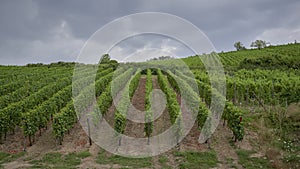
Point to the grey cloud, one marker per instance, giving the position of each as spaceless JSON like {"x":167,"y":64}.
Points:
{"x":31,"y":27}
{"x":149,"y":45}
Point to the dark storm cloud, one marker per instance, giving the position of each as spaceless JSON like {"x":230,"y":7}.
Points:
{"x":47,"y":31}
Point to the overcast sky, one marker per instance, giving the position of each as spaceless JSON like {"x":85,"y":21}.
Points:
{"x":55,"y":30}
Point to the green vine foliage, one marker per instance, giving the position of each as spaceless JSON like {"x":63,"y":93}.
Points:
{"x":148,"y":128}
{"x":123,"y":105}
{"x":172,"y":104}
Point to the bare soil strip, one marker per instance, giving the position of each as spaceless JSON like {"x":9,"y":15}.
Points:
{"x":162,"y":123}
{"x":134,"y":129}
{"x":225,"y":152}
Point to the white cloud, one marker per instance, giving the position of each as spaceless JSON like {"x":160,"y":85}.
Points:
{"x":148,"y":53}
{"x":146,"y":46}
{"x":280,"y":35}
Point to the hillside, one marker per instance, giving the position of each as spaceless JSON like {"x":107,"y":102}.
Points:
{"x":49,"y":112}
{"x":287,"y":56}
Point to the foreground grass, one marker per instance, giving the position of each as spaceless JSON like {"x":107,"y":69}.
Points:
{"x":163,"y":162}
{"x":6,"y":157}
{"x":195,"y":160}
{"x":185,"y":160}
{"x":59,"y":161}
{"x":249,"y":162}
{"x":124,"y":161}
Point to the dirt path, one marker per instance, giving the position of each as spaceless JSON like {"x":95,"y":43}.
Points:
{"x":190,"y":141}
{"x":90,"y":162}
{"x":162,"y":123}
{"x":14,"y":142}
{"x":74,"y":141}
{"x":109,"y":116}
{"x":134,"y":129}
{"x":225,"y":152}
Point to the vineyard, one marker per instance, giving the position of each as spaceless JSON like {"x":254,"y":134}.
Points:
{"x":259,"y":125}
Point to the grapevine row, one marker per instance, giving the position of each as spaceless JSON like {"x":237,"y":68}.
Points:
{"x":173,"y":106}
{"x":148,"y":128}
{"x":39,"y":117}
{"x":104,"y":101}
{"x":231,"y":113}
{"x":265,"y":84}
{"x":27,"y":89}
{"x":64,"y":120}
{"x":191,"y":98}
{"x":11,"y":116}
{"x":16,"y":84}
{"x":123,"y":104}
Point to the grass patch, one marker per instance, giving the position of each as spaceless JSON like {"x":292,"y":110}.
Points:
{"x":83,"y":154}
{"x":51,"y":158}
{"x":293,"y":160}
{"x":163,"y":162}
{"x":232,"y":143}
{"x":3,"y":155}
{"x":250,"y":120}
{"x":6,"y":157}
{"x":163,"y":159}
{"x":252,"y":162}
{"x":195,"y":160}
{"x":57,"y":160}
{"x":230,"y":163}
{"x":124,"y":161}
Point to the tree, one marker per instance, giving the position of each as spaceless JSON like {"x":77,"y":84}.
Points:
{"x":162,"y":58}
{"x":259,"y":44}
{"x":239,"y":46}
{"x":105,"y":58}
